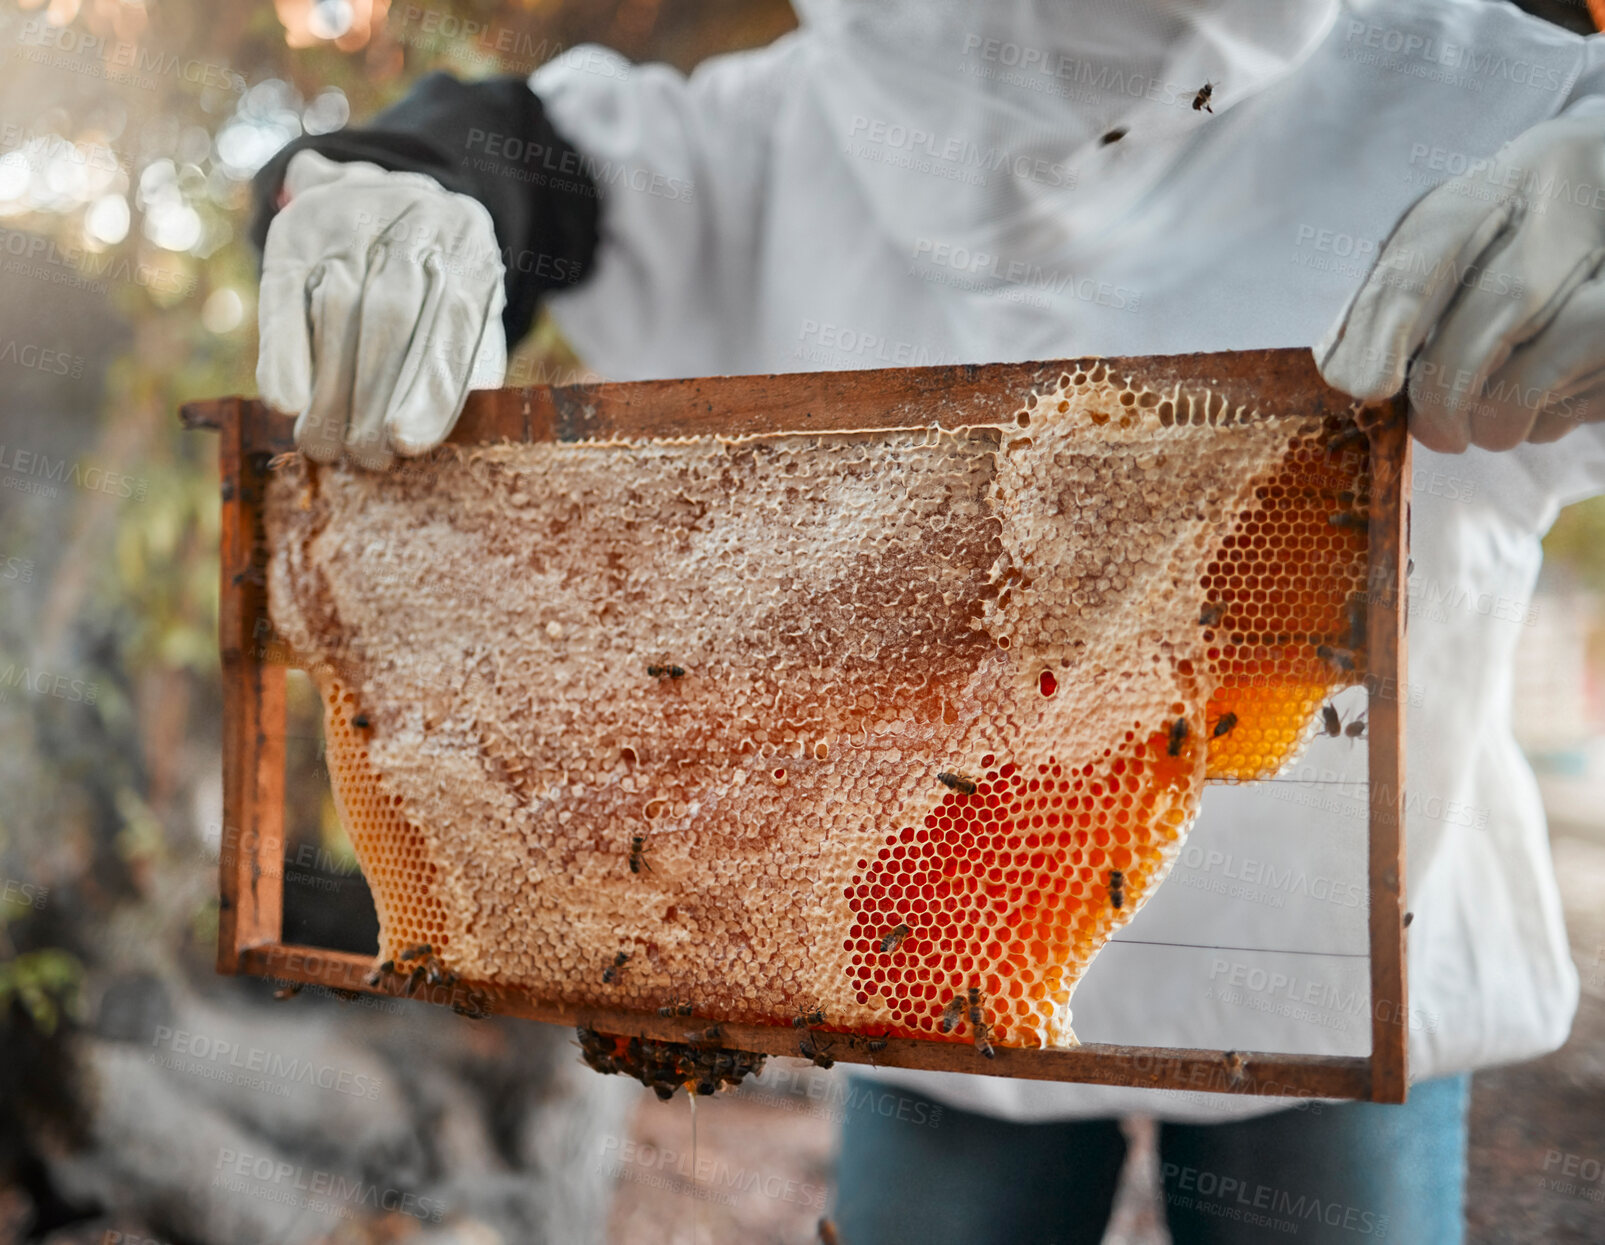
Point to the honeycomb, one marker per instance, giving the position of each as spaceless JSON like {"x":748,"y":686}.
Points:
{"x":848,"y":724}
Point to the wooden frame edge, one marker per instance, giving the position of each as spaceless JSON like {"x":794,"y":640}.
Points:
{"x":251,"y":883}
{"x":1386,"y":603}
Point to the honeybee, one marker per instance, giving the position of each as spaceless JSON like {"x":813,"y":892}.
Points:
{"x":638,"y":860}
{"x":1117,"y":889}
{"x":360,"y":721}
{"x":978,"y":1025}
{"x":959,"y":783}
{"x":416,"y":980}
{"x":875,"y":1045}
{"x":612,"y":970}
{"x":812,"y":1048}
{"x":952,"y":1013}
{"x":1178,"y":736}
{"x":711,"y":1036}
{"x":1349,"y":519}
{"x":1234,"y":1065}
{"x":894,"y":938}
{"x":1332,"y":724}
{"x":1211,"y":613}
{"x":1201,"y":100}
{"x":1408,"y":917}
{"x":805,"y":1018}
{"x":828,"y":1234}
{"x":412,"y":953}
{"x":666,"y":672}
{"x":1341,"y":659}
{"x":1349,"y":438}
{"x":1358,"y":611}
{"x":675,"y":1007}
{"x":1224,"y":725}
{"x":379,"y":974}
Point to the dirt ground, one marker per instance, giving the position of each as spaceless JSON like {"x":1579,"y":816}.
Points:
{"x":762,"y":1162}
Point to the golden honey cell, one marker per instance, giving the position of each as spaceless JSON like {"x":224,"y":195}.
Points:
{"x":946,"y":700}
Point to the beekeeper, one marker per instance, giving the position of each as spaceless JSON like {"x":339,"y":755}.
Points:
{"x":1415,"y":189}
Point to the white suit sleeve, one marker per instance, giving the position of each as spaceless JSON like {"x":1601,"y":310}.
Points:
{"x":681,"y":168}
{"x":1587,"y":93}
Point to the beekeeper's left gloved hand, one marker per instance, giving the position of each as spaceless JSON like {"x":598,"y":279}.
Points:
{"x":1494,"y":278}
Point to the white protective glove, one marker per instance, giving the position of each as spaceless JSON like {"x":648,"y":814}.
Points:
{"x":380,"y":308}
{"x":1493,"y":277}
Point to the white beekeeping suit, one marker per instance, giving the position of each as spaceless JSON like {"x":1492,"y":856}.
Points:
{"x":908,"y":184}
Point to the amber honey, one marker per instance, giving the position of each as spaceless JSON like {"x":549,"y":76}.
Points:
{"x":866,"y":626}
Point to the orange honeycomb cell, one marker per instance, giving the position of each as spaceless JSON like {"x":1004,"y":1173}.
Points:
{"x":946,"y":704}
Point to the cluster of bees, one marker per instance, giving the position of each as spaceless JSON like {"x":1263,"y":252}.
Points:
{"x":419,"y":966}
{"x":813,"y":1047}
{"x":664,"y":1067}
{"x":979,"y":1029}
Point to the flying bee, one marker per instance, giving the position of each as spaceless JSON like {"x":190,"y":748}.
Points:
{"x":1224,"y":726}
{"x":1113,"y":136}
{"x":666,"y":672}
{"x":1201,"y":100}
{"x":612,"y":970}
{"x":894,"y":938}
{"x":1211,"y":613}
{"x":828,"y":1234}
{"x":1408,"y":917}
{"x":638,"y":860}
{"x":1178,"y":736}
{"x":1117,"y":889}
{"x":1349,"y":519}
{"x":360,"y":721}
{"x":978,"y":1025}
{"x":958,"y":782}
{"x":287,"y":992}
{"x":952,"y":1013}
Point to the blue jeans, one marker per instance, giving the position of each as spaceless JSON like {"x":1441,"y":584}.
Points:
{"x":1353,"y":1172}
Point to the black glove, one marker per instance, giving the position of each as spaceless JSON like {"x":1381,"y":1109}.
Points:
{"x":489,"y":140}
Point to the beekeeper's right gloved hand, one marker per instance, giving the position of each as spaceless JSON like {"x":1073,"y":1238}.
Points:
{"x":381,"y":307}
{"x":401,"y":259}
{"x":1489,"y":293}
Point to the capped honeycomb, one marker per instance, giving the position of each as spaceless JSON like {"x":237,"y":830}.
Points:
{"x":852,"y":724}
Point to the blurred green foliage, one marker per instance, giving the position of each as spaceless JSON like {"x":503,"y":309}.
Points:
{"x":1577,"y":543}
{"x":43,"y":983}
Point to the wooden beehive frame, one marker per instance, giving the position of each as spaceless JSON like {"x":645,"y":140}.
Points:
{"x":250,"y":923}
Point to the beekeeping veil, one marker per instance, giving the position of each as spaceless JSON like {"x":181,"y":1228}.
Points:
{"x":1032,"y":90}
